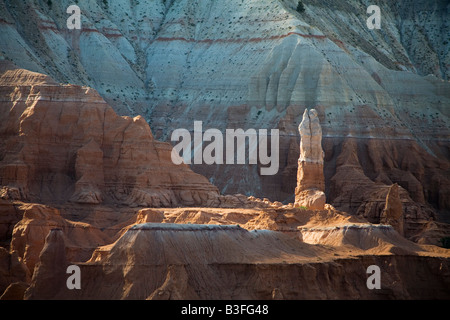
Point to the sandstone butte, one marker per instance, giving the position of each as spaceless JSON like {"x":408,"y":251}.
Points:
{"x":382,"y":97}
{"x":65,"y":143}
{"x":83,"y":186}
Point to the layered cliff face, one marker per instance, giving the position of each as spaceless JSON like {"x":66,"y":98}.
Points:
{"x":64,"y":143}
{"x":381,"y":95}
{"x":79,"y":165}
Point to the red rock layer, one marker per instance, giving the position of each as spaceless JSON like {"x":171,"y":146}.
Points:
{"x":65,"y":143}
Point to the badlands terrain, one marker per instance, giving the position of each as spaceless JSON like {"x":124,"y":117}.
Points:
{"x":87,"y":178}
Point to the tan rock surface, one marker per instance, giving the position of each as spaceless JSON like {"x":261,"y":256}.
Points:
{"x":49,"y":277}
{"x":63,"y":142}
{"x":175,"y":287}
{"x":98,"y":172}
{"x":310,"y":190}
{"x":393,"y":211}
{"x":29,"y":234}
{"x":171,"y":253}
{"x":190,"y":261}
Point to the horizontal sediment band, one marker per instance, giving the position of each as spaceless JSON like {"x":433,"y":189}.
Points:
{"x":348,"y":227}
{"x":185,"y":227}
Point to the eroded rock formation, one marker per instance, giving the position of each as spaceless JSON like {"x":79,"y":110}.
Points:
{"x":63,"y":143}
{"x":13,"y":275}
{"x":370,"y":92}
{"x":199,"y":261}
{"x":28,"y":235}
{"x":263,"y":252}
{"x":49,"y":277}
{"x":64,"y":146}
{"x":310,"y":179}
{"x":393,"y":211}
{"x":178,"y":60}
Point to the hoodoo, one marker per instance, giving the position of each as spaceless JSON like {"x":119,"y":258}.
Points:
{"x":310,"y":179}
{"x":153,"y":153}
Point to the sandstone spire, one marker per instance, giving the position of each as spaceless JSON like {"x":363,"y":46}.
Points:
{"x":310,"y":179}
{"x":393,"y":212}
{"x":50,"y":273}
{"x":311,"y":138}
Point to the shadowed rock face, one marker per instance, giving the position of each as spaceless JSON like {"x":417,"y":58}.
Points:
{"x":191,"y":261}
{"x":382,"y":106}
{"x":393,"y":211}
{"x":311,"y":140}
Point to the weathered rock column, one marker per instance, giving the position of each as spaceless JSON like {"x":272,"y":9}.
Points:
{"x":310,"y":178}
{"x":49,"y":275}
{"x":393,"y":211}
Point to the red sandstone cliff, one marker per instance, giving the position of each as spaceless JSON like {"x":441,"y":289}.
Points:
{"x":64,"y":143}
{"x":64,"y":146}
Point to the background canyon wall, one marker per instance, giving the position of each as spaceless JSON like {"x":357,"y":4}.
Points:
{"x":382,"y":96}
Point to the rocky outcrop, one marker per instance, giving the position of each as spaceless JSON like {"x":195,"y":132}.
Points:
{"x":352,"y":191}
{"x":13,"y":274}
{"x":50,"y":275}
{"x":90,"y":180}
{"x":63,"y":143}
{"x":89,"y":155}
{"x":310,"y":179}
{"x":29,"y":234}
{"x":311,"y":144}
{"x":191,"y":253}
{"x":434,"y":233}
{"x":9,"y":216}
{"x":393,"y":211}
{"x":367,"y":237}
{"x":192,"y":261}
{"x":179,"y":61}
{"x":15,"y":291}
{"x":175,"y":287}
